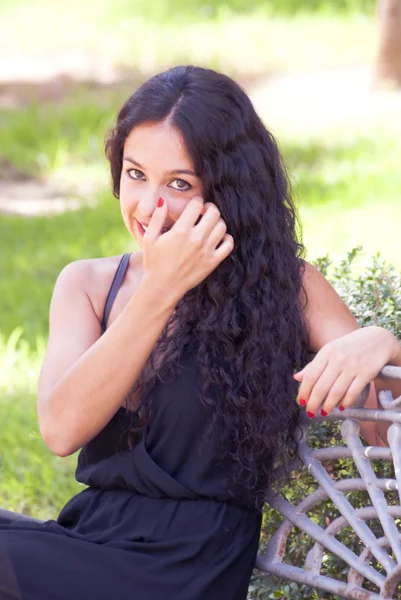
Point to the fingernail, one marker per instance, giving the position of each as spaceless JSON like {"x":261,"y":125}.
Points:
{"x":323,"y":413}
{"x":302,"y":402}
{"x":160,"y":202}
{"x":341,"y":407}
{"x":310,"y":414}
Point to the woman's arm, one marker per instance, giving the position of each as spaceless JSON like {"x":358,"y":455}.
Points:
{"x":348,"y":357}
{"x":85,"y":378}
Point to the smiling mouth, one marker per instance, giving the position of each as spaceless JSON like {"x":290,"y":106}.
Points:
{"x":142,"y":229}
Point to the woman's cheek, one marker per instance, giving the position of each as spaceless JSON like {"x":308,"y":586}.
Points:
{"x":127,"y":209}
{"x":128,"y":197}
{"x":177,"y":205}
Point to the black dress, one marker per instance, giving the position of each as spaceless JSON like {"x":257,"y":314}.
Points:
{"x":156,"y":521}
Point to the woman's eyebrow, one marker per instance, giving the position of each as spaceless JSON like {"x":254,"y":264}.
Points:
{"x":173,"y":172}
{"x":181,"y":172}
{"x":131,"y":160}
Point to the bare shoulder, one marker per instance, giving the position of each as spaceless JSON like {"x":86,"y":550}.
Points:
{"x":316,"y":287}
{"x":312,"y":276}
{"x":86,"y":274}
{"x":92,"y":277}
{"x":327,"y":316}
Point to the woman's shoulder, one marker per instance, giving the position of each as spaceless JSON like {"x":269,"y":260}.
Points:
{"x":89,"y":271}
{"x":310,"y":274}
{"x":94,"y":276}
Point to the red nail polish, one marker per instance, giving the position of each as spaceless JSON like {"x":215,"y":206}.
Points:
{"x":341,"y":407}
{"x":302,"y":402}
{"x":310,"y":414}
{"x":323,"y":413}
{"x":160,"y":202}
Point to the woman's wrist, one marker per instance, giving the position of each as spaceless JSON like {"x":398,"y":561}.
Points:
{"x":396,"y":354}
{"x":157,"y":293}
{"x":394,"y":347}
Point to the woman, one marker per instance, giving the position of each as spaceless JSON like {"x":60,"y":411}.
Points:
{"x":173,"y":367}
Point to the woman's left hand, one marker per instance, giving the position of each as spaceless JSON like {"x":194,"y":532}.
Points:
{"x":343,"y":367}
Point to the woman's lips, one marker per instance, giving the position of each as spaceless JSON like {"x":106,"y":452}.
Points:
{"x":142,"y":230}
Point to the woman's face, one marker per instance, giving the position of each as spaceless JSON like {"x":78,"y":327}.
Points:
{"x":156,"y":164}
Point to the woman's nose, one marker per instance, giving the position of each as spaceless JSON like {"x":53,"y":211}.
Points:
{"x":148,"y":203}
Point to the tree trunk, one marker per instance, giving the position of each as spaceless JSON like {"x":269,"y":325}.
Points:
{"x":388,"y":61}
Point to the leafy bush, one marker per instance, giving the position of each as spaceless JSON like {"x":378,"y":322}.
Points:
{"x":373,"y":295}
{"x":372,"y":291}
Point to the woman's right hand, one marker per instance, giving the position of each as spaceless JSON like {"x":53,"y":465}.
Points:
{"x":186,"y":254}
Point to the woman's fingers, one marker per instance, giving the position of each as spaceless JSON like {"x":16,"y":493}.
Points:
{"x":220,"y":243}
{"x":322,"y":389}
{"x":342,"y":368}
{"x":218,"y":233}
{"x":324,"y":383}
{"x":195,"y":208}
{"x":337,"y":393}
{"x":311,"y":374}
{"x":354,"y":391}
{"x":298,"y":376}
{"x":156,"y":223}
{"x":331,"y":388}
{"x":225,"y":249}
{"x":208,"y":221}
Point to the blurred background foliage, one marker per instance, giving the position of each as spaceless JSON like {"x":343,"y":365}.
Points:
{"x":65,"y":70}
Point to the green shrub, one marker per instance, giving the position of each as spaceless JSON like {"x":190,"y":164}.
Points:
{"x":373,"y":295}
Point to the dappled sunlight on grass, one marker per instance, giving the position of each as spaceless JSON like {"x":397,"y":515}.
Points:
{"x":335,"y":228}
{"x":108,"y":37}
{"x":348,"y":195}
{"x":46,"y":139}
{"x":32,"y":479}
{"x":20,"y":362}
{"x":345,"y":174}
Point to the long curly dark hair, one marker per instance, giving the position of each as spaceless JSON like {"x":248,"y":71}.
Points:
{"x":246,"y":317}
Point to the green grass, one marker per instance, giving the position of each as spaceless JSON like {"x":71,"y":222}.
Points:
{"x":134,"y":35}
{"x":32,"y":480}
{"x":334,"y":230}
{"x":44,"y":139}
{"x":348,"y":195}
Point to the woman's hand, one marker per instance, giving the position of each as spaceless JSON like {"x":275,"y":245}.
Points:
{"x":186,"y":254}
{"x":343,"y":367}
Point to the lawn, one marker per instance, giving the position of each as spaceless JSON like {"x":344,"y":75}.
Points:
{"x":154,"y":35}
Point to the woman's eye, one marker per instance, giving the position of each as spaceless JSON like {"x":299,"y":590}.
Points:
{"x":180,"y":184}
{"x":135,"y":174}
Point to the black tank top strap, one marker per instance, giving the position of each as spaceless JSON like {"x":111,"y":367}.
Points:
{"x":115,"y":286}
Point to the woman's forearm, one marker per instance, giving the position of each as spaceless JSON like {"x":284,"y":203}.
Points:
{"x":88,"y":394}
